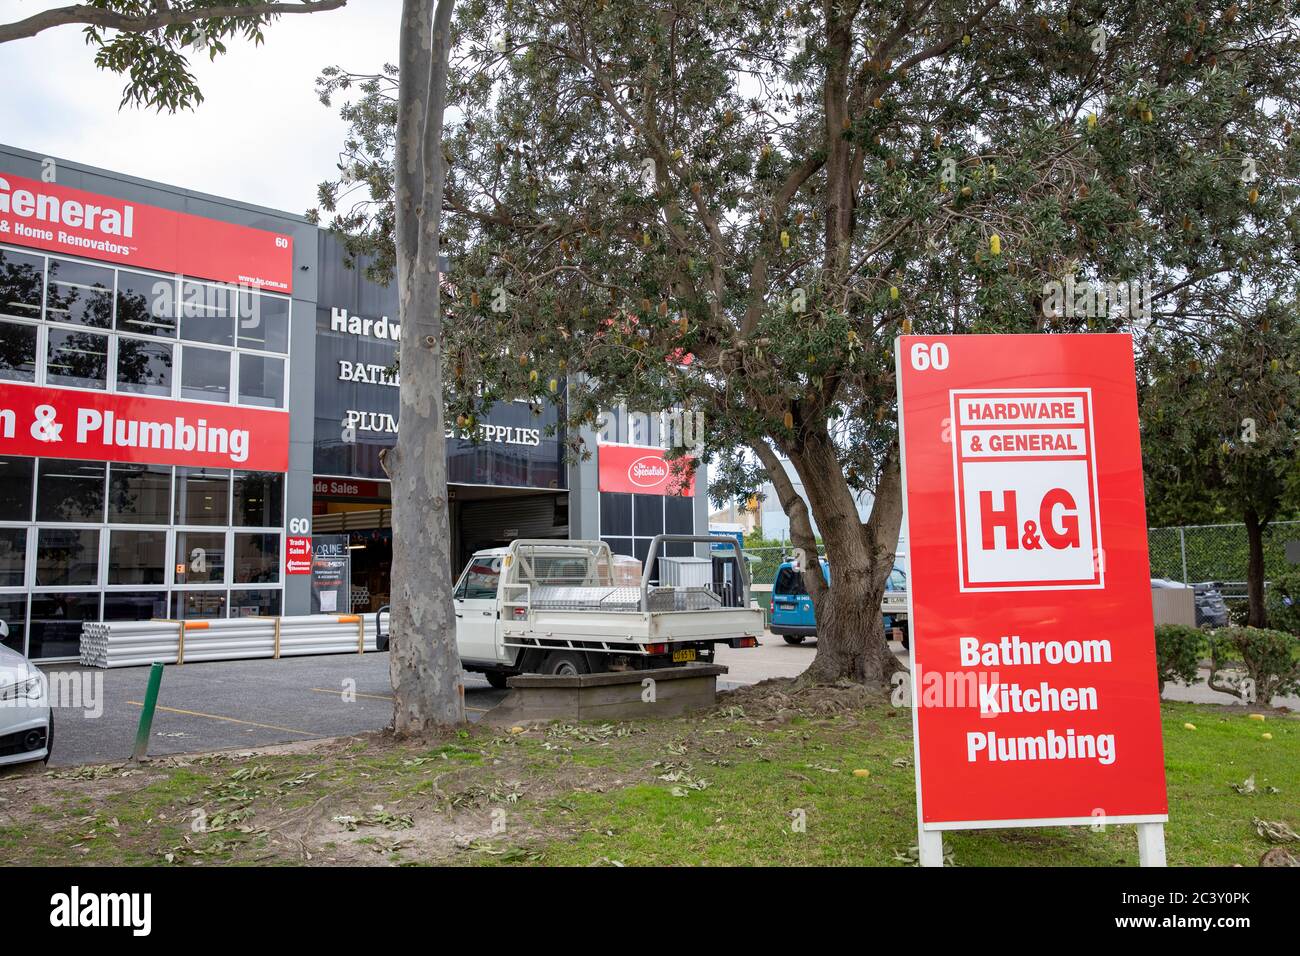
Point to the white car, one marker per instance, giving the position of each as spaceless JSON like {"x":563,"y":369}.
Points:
{"x":26,"y":721}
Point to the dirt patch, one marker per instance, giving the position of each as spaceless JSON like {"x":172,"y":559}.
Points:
{"x":782,"y":699}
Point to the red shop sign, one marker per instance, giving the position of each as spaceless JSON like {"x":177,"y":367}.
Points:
{"x":1033,"y":654}
{"x":64,"y":423}
{"x":643,"y":471}
{"x":76,"y":222}
{"x":297,"y":555}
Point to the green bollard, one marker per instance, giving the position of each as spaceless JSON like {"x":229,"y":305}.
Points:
{"x":146,"y":716}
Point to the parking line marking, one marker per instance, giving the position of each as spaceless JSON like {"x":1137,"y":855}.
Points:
{"x":337,"y":693}
{"x":233,"y":720}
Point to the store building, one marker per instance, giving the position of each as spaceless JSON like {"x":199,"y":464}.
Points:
{"x":194,"y":393}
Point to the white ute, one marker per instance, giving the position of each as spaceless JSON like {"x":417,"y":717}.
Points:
{"x":552,"y":606}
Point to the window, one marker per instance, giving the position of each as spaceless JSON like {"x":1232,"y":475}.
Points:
{"x":259,"y":602}
{"x":257,"y":559}
{"x":70,"y":491}
{"x":137,"y":557}
{"x":78,"y":359}
{"x":259,"y":499}
{"x":13,"y":611}
{"x":261,"y":380}
{"x":201,"y":496}
{"x":13,"y":557}
{"x":80,"y":294}
{"x":16,"y":488}
{"x":789,"y":581}
{"x":648,"y":515}
{"x":205,"y":375}
{"x":17,"y":351}
{"x":615,"y":513}
{"x":208,"y":313}
{"x":56,"y":623}
{"x":22,"y":284}
{"x":67,"y":557}
{"x":146,"y":305}
{"x":200,"y":557}
{"x":144,"y":367}
{"x":480,"y":579}
{"x":188,"y":605}
{"x":263,"y":322}
{"x":134,"y":605}
{"x":139,"y":494}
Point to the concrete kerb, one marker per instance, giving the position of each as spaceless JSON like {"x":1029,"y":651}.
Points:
{"x":613,"y":695}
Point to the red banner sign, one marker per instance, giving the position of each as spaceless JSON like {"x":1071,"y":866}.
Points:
{"x":347,"y":488}
{"x":64,"y":423}
{"x":643,"y":471}
{"x":59,"y":219}
{"x":1033,"y":652}
{"x":297,"y":555}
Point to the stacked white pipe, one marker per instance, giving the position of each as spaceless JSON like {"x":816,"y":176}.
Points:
{"x":135,"y":643}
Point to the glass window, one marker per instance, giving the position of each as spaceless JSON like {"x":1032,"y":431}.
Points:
{"x":201,"y":496}
{"x":146,"y":305}
{"x":13,"y":556}
{"x":139,"y":494}
{"x":648,"y":514}
{"x":187,"y":605}
{"x":208,"y":313}
{"x":480,"y":580}
{"x":144,"y":367}
{"x":22,"y":284}
{"x":257,"y":559}
{"x":200,"y":557}
{"x":80,"y":294}
{"x":137,"y":557}
{"x":134,"y":605}
{"x":56,"y":623}
{"x":261,"y":380}
{"x":205,"y":375}
{"x":70,"y":491}
{"x":619,"y":545}
{"x":79,"y":359}
{"x":17,"y":351}
{"x":16,"y":488}
{"x":263,"y":322}
{"x":615,"y":513}
{"x":679,"y":515}
{"x":13,"y":611}
{"x":259,"y":499}
{"x":789,"y":581}
{"x":259,"y":602}
{"x":67,"y":557}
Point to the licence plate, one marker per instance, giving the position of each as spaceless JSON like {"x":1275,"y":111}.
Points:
{"x":687,"y":654}
{"x":786,"y":607}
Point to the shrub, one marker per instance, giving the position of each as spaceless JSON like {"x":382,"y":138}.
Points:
{"x":1270,"y":659}
{"x":1282,"y":603}
{"x":1178,"y":654}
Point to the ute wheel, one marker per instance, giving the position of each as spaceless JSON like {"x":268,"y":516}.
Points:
{"x":497,"y":679}
{"x":49,"y":738}
{"x":793,"y":638}
{"x":565,"y":664}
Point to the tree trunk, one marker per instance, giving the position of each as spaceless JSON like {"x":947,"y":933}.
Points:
{"x":424,"y":665}
{"x":1255,"y":569}
{"x":851,"y":641}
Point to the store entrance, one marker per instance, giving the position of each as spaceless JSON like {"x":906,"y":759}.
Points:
{"x":481,"y":517}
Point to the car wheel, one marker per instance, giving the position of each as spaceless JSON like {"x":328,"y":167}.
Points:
{"x":793,"y":638}
{"x":49,"y":737}
{"x":565,"y":664}
{"x":497,"y":679}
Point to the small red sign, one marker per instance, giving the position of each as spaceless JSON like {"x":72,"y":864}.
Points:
{"x":346,"y":488}
{"x":69,"y":423}
{"x":1033,"y":652}
{"x":79,"y":223}
{"x":644,"y":471}
{"x":297,"y":555}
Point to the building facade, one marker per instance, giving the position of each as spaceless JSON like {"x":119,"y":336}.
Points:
{"x":194,"y":393}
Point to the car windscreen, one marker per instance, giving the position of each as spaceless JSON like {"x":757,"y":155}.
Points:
{"x":789,"y":581}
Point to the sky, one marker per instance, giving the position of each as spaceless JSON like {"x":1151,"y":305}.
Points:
{"x":260,"y":136}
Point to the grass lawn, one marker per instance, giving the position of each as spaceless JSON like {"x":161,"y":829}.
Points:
{"x":754,"y":783}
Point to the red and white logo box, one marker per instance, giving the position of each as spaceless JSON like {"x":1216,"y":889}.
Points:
{"x":1025,"y":472}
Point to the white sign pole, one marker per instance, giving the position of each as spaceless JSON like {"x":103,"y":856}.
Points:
{"x":1151,"y":844}
{"x":930,"y":843}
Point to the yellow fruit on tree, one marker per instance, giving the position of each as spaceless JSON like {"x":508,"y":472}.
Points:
{"x":995,"y":244}
{"x":893,"y":292}
{"x":789,"y":420}
{"x":785,"y":239}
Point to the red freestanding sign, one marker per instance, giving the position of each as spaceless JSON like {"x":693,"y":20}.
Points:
{"x":1034,"y":688}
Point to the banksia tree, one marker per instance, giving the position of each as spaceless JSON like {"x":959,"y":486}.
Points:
{"x":735,"y":207}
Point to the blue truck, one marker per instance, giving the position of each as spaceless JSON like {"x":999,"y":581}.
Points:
{"x":792,"y":609}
